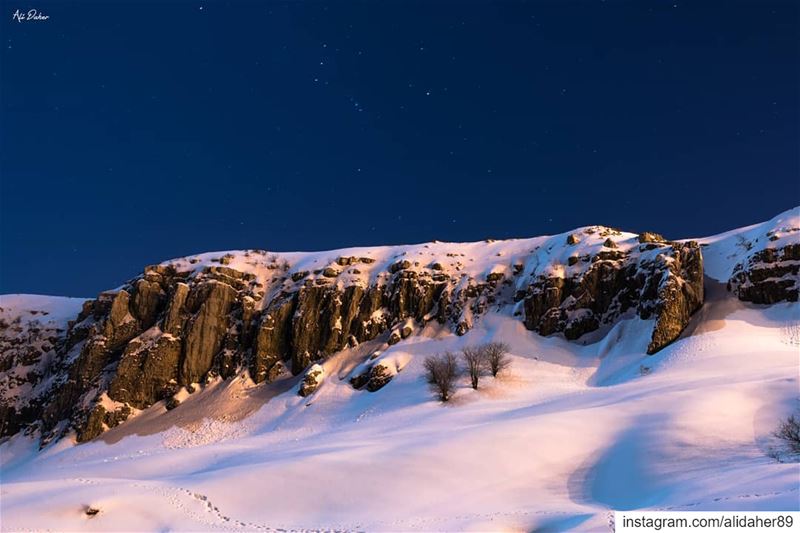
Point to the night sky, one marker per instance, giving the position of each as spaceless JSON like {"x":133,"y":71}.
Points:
{"x":134,"y":132}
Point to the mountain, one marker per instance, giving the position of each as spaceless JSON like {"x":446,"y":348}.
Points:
{"x":630,"y":353}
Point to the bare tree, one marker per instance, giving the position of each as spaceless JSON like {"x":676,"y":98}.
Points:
{"x":476,"y":363}
{"x":789,"y":432}
{"x":496,"y":354}
{"x":442,"y":370}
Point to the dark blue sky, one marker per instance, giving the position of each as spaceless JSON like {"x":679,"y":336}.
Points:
{"x":133,"y":132}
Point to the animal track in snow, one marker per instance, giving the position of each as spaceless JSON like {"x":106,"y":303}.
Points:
{"x":731,"y":498}
{"x":790,"y":334}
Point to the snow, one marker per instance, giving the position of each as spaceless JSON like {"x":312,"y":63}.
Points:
{"x":721,"y":253}
{"x":568,"y":434}
{"x":472,"y":261}
{"x":27,"y":323}
{"x":571,"y":432}
{"x":55,"y":310}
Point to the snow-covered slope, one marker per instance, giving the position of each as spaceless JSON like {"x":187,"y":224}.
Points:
{"x":760,"y":263}
{"x":571,"y":431}
{"x":185,"y":322}
{"x":30,"y":326}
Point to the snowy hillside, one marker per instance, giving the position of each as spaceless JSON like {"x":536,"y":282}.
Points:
{"x":30,"y":327}
{"x":724,"y":252}
{"x":582,"y":423}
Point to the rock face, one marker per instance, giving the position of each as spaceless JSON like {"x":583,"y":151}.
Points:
{"x":664,"y":282}
{"x":205,"y":331}
{"x":173,"y":327}
{"x":678,"y":295}
{"x":29,"y":342}
{"x":197,"y":319}
{"x":769,"y":276}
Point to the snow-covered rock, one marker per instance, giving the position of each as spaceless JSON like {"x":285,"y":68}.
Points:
{"x":572,"y":429}
{"x":311,"y":380}
{"x":199,"y":318}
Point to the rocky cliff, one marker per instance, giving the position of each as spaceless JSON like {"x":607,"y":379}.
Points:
{"x":657,"y":279}
{"x":768,"y":276}
{"x":187,"y":321}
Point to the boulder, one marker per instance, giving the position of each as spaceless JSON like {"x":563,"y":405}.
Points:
{"x":360,"y":379}
{"x":379,"y":376}
{"x":648,"y":236}
{"x":297,"y":276}
{"x":312,"y":380}
{"x":330,"y":272}
{"x":400,"y":265}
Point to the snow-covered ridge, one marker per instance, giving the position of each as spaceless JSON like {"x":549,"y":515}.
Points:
{"x":25,"y":308}
{"x":723,"y":252}
{"x":365,"y":266}
{"x":191,"y":320}
{"x":538,"y":256}
{"x":688,"y":428}
{"x":30,"y":327}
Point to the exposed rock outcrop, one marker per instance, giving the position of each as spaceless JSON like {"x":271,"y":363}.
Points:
{"x":198,"y":319}
{"x":665,"y":283}
{"x":147,"y":371}
{"x":172,"y":328}
{"x":379,"y":375}
{"x":769,"y":276}
{"x":205,"y":331}
{"x":29,"y":345}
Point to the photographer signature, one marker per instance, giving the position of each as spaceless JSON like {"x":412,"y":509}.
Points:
{"x":31,"y":14}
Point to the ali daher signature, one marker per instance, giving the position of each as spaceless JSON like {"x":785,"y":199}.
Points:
{"x":31,"y":14}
